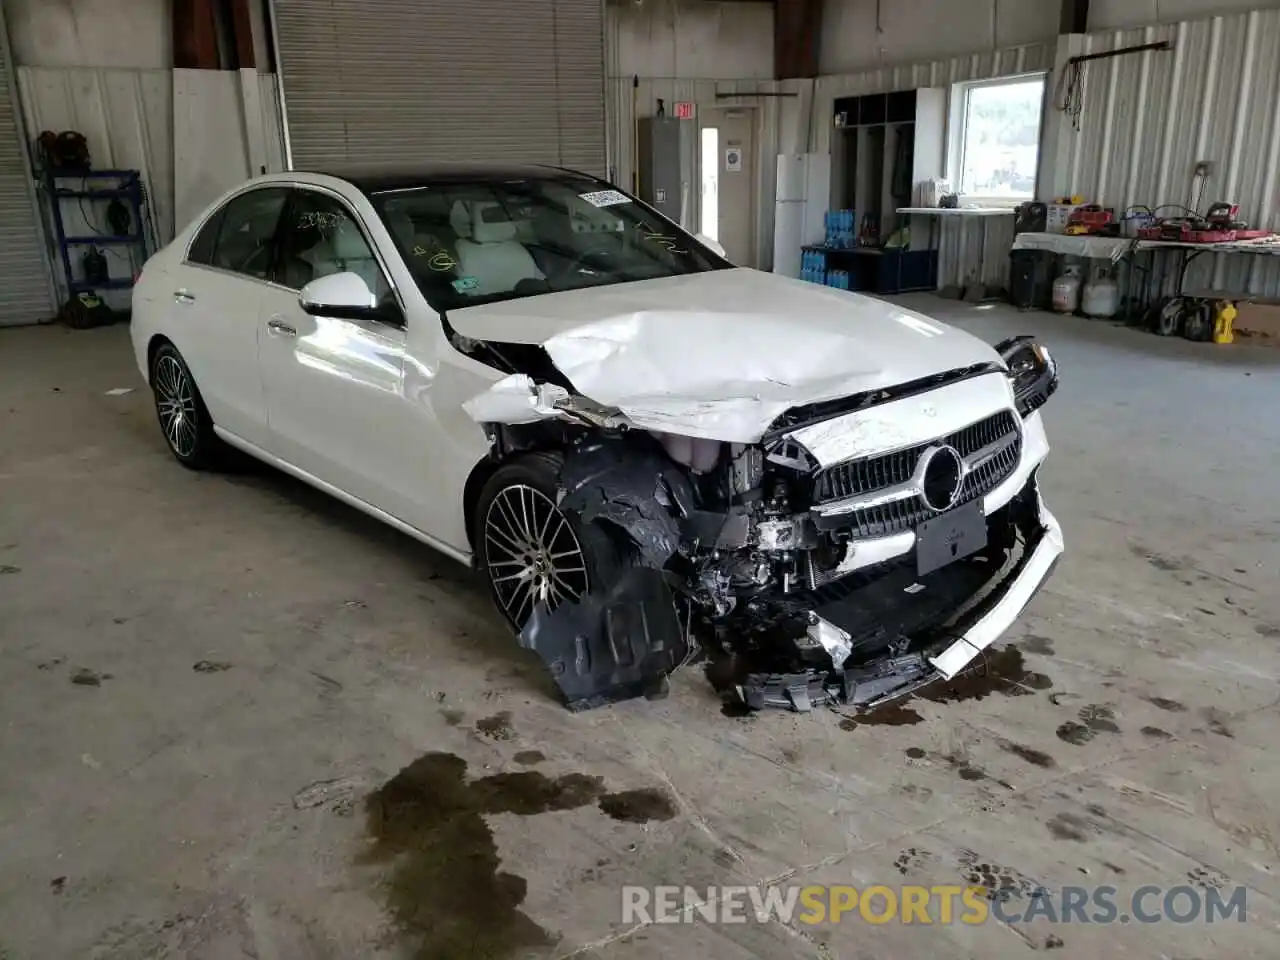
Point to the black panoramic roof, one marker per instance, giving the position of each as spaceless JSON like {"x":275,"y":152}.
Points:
{"x":383,"y":179}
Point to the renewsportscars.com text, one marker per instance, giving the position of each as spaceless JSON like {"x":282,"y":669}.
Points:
{"x":938,"y":904}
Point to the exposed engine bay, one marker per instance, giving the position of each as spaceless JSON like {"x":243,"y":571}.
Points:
{"x":860,"y":548}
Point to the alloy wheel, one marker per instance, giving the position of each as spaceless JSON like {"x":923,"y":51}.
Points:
{"x":176,"y":404}
{"x":532,"y":553}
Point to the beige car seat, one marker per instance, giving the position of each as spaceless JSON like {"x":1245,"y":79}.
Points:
{"x":488,"y":252}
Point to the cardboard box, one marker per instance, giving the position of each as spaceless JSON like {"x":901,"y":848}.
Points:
{"x":1058,"y":215}
{"x":1257,"y":323}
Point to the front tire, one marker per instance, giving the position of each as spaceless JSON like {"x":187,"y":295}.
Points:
{"x":528,"y":550}
{"x":184,"y":419}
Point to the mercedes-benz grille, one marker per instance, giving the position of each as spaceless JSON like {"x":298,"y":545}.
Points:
{"x":876,"y":496}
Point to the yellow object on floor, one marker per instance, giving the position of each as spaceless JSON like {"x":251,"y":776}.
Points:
{"x":1223,"y":315}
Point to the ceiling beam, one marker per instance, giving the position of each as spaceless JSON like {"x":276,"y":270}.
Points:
{"x":797,"y":30}
{"x":195,"y":37}
{"x":1074,"y":17}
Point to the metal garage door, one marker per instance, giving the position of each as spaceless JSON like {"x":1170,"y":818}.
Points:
{"x":25,"y":295}
{"x":411,"y":81}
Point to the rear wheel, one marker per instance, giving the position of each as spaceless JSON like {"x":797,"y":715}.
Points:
{"x":184,"y":419}
{"x":530,"y":552}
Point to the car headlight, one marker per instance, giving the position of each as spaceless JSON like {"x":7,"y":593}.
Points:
{"x":1032,"y":372}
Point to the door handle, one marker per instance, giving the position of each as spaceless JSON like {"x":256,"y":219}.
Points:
{"x":278,"y":326}
{"x":182,"y":296}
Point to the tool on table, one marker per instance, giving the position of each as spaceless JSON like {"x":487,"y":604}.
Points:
{"x":1031,"y":217}
{"x":1090,"y":218}
{"x":1220,"y":224}
{"x":1226,"y":216}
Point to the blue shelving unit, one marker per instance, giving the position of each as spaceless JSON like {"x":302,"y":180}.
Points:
{"x":128,"y":190}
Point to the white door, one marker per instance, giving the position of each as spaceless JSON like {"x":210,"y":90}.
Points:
{"x":734,"y":180}
{"x":335,"y":387}
{"x":217,"y":294}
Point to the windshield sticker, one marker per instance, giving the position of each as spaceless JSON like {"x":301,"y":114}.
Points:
{"x":671,"y":244}
{"x":441,"y":261}
{"x":466,"y":284}
{"x":323,"y":220}
{"x":605,"y":198}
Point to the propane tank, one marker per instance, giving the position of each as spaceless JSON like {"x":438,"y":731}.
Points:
{"x":1066,"y":291}
{"x":1100,"y":298}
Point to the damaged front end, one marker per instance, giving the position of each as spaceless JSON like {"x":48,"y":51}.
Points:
{"x":859,"y":549}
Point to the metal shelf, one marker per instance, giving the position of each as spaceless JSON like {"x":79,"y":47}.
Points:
{"x":101,"y":240}
{"x":92,"y":194}
{"x":129,"y":191}
{"x":112,"y":283}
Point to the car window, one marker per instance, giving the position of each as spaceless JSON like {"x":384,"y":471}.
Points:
{"x":206,"y":241}
{"x":469,"y":243}
{"x":322,"y":238}
{"x":246,"y":234}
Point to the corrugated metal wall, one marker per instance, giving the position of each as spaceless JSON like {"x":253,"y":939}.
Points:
{"x":961,"y":240}
{"x":1148,"y":118}
{"x":26,"y":295}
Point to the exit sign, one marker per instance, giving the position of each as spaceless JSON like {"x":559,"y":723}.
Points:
{"x":684,"y":110}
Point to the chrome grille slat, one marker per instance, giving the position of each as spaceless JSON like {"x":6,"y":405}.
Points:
{"x":860,"y":477}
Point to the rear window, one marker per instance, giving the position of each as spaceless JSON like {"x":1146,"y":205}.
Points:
{"x":467,"y":244}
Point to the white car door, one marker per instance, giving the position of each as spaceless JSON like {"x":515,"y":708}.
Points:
{"x":335,"y":387}
{"x":217,"y":292}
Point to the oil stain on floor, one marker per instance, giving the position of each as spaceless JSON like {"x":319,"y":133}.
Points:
{"x":445,"y":885}
{"x":638,"y":806}
{"x":1001,"y":672}
{"x":1035,"y":757}
{"x":894,"y":715}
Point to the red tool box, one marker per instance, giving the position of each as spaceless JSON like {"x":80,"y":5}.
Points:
{"x":1186,"y":231}
{"x":1089,"y":219}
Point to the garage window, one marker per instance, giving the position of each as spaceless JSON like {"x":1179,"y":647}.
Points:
{"x":996,"y":138}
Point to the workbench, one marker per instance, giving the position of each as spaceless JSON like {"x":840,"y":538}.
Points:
{"x":1188,"y":252}
{"x":1117,"y":249}
{"x":946,"y":213}
{"x":1093,"y":248}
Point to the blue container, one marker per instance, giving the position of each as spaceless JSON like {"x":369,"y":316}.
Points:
{"x":847,"y":221}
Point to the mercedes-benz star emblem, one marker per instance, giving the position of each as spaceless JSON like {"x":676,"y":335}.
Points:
{"x":941,"y":477}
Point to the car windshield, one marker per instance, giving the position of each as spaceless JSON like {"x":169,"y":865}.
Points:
{"x":472,"y":243}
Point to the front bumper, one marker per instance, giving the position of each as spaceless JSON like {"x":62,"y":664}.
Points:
{"x":1009,"y":601}
{"x":941,"y":649}
{"x":973,"y":632}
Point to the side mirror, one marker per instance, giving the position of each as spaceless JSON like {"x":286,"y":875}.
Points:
{"x":712,"y":244}
{"x":344,"y":296}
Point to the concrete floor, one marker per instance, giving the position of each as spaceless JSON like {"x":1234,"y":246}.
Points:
{"x":171,"y":810}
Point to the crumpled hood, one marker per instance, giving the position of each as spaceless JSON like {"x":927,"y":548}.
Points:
{"x":722,"y":354}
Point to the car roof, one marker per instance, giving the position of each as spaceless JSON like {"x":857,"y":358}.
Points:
{"x":376,"y":180}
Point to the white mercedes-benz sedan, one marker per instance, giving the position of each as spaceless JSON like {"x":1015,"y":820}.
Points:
{"x":646,"y":450}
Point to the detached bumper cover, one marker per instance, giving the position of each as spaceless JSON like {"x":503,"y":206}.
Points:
{"x":975,"y":630}
{"x":891,"y":677}
{"x":1008,"y":602}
